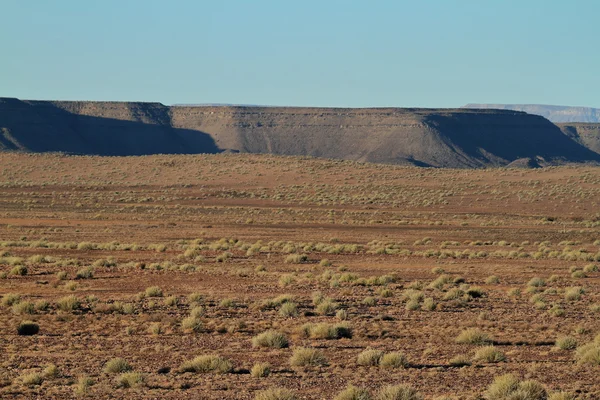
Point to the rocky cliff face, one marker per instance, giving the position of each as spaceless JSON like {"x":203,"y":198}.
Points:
{"x":458,"y":138}
{"x":552,"y":113}
{"x":587,"y":135}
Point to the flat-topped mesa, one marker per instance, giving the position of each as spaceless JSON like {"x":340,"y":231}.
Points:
{"x":458,"y":138}
{"x":586,"y":134}
{"x":556,"y":114}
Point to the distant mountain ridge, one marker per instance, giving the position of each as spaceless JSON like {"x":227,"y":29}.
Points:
{"x":557,"y":114}
{"x":455,"y":138}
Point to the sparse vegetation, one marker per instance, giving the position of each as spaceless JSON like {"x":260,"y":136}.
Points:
{"x":207,"y":363}
{"x":384,"y":263}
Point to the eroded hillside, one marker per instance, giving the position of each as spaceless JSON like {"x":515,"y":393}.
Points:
{"x":457,"y":138}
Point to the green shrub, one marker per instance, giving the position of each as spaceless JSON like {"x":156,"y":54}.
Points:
{"x":272,"y":339}
{"x":508,"y":387}
{"x":41,"y":305}
{"x":460,"y":361}
{"x":369,"y":301}
{"x":353,"y":393}
{"x":475,"y":292}
{"x":288,"y":310}
{"x":342,"y":315}
{"x":566,"y":343}
{"x":393,"y":360}
{"x":536,"y":282}
{"x":429,"y":304}
{"x":302,"y":357}
{"x":68,"y":303}
{"x":574,"y":293}
{"x":327,"y":307}
{"x":153,"y":291}
{"x":19,"y":270}
{"x":296,"y":259}
{"x":260,"y":370}
{"x":327,"y":331}
{"x":207,"y":363}
{"x":28,"y":328}
{"x":24,"y":307}
{"x":32,"y":379}
{"x":10,"y":299}
{"x":51,"y":372}
{"x":398,"y":392}
{"x":131,"y":380}
{"x":85,"y":273}
{"x":83,"y":385}
{"x":473,"y":336}
{"x":369,"y":357}
{"x":489,"y":354}
{"x":192,"y":323}
{"x":589,"y":353}
{"x":116,"y":365}
{"x":171,"y":301}
{"x":275,"y":394}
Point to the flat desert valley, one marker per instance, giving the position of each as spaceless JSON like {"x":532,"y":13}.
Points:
{"x":237,"y":276}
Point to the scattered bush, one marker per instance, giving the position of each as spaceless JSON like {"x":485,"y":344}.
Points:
{"x":207,"y":363}
{"x":131,"y":380}
{"x":192,"y":323}
{"x":28,"y":328}
{"x":327,"y":307}
{"x":489,"y":354}
{"x":566,"y":343}
{"x":260,"y":370}
{"x":288,"y":310}
{"x":473,"y":336}
{"x":272,"y":339}
{"x":302,"y":357}
{"x":574,"y":293}
{"x":508,"y":387}
{"x":353,"y":393}
{"x":83,"y":385}
{"x":51,"y":372}
{"x":369,"y":357}
{"x":296,"y":259}
{"x":398,"y":392}
{"x":536,"y":282}
{"x":589,"y":353}
{"x":116,"y":365}
{"x":24,"y":307}
{"x":327,"y":331}
{"x":85,"y":273}
{"x":153,"y":291}
{"x":32,"y":379}
{"x":68,"y":303}
{"x":19,"y":270}
{"x":393,"y":360}
{"x":10,"y":299}
{"x":275,"y":394}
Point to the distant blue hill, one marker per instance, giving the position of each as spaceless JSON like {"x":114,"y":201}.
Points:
{"x":552,"y":113}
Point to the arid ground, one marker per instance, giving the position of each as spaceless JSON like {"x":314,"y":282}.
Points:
{"x":361,"y":274}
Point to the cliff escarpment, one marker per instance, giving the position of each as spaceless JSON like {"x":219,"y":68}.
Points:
{"x":457,"y":138}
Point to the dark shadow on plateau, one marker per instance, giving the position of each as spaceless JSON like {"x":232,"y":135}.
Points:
{"x":530,"y":136}
{"x":44,"y":127}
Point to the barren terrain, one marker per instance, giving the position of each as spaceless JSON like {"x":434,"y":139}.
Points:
{"x":161,"y":259}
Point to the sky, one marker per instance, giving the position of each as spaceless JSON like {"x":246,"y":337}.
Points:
{"x":427,"y":53}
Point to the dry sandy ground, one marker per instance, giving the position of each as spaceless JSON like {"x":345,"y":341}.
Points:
{"x":224,"y":227}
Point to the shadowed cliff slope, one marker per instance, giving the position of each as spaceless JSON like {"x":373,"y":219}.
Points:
{"x":587,"y":135}
{"x":459,"y":138}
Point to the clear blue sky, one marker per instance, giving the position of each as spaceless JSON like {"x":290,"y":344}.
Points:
{"x":428,"y":53}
